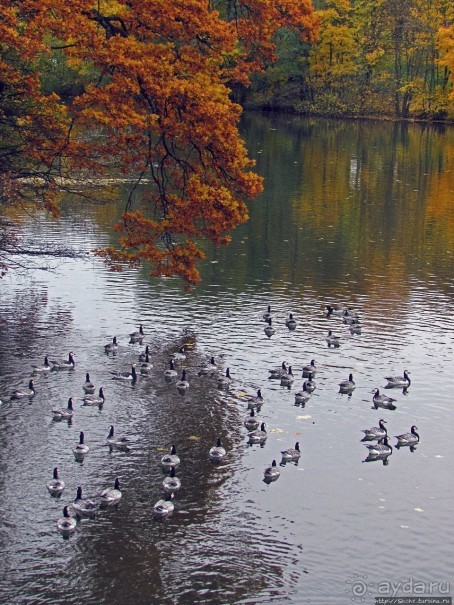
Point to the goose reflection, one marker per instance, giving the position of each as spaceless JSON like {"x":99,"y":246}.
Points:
{"x":379,"y":451}
{"x":374,"y":458}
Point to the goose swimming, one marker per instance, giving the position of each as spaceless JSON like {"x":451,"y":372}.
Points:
{"x":277,"y":373}
{"x":251,"y":422}
{"x":309,"y":385}
{"x":81,"y":449}
{"x":25,"y":392}
{"x":217,"y":452}
{"x":120,"y":443}
{"x":259,"y":435}
{"x":290,"y":322}
{"x":348,"y":385}
{"x":383,"y":401}
{"x":56,"y":485}
{"x":66,"y":525}
{"x":171,"y":484}
{"x":381,"y":448}
{"x":292,"y":453}
{"x":84,"y":506}
{"x":287,"y":379}
{"x":269,"y":330}
{"x":64,"y":364}
{"x":111,"y":496}
{"x":44,"y":368}
{"x":94,"y":399}
{"x":272,"y":472}
{"x":64,"y":413}
{"x":88,"y":386}
{"x":302,"y":397}
{"x":255,"y":402}
{"x":311,"y":368}
{"x":132,"y":375}
{"x":164,"y":507}
{"x":170,"y":372}
{"x":399,"y":381}
{"x":376,"y":432}
{"x":137,"y":336}
{"x":410,"y":438}
{"x":170,"y":460}
{"x":333,"y":341}
{"x":110,"y":347}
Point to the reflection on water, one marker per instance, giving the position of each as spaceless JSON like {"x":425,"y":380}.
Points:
{"x":354,"y":214}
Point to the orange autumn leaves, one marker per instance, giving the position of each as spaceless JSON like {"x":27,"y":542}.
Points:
{"x":161,"y":101}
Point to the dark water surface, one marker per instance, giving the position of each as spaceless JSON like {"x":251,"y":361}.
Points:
{"x":355,"y":214}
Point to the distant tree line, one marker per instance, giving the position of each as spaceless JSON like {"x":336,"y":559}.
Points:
{"x":390,"y":58}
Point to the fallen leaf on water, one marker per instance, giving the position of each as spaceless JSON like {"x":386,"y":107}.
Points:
{"x":194,"y":438}
{"x":419,"y":510}
{"x":303,"y":417}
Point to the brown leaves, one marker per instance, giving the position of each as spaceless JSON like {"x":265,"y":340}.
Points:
{"x":160,"y":106}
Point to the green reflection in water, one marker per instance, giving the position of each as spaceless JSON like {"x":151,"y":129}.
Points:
{"x":344,"y":202}
{"x":354,"y":200}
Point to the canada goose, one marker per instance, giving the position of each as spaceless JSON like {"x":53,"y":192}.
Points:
{"x":112,"y":441}
{"x":110,"y":347}
{"x":44,"y":368}
{"x":269,"y":330}
{"x":94,"y":399}
{"x":66,"y":524}
{"x":88,"y":386}
{"x":383,"y":401}
{"x":399,"y":381}
{"x":64,"y":364}
{"x":251,"y":422}
{"x":137,"y":336}
{"x":272,"y":472}
{"x":84,"y":506}
{"x":259,"y":435}
{"x":111,"y":496}
{"x":333,"y":341}
{"x":64,"y":413}
{"x":311,"y":368}
{"x":292,"y":453}
{"x":382,"y":448}
{"x":81,"y":449}
{"x":132,"y":375}
{"x":376,"y":432}
{"x":164,"y":507}
{"x":348,"y":385}
{"x":170,"y":460}
{"x":21,"y":393}
{"x":171,"y":484}
{"x":56,"y":485}
{"x":217,"y":452}
{"x":410,"y":438}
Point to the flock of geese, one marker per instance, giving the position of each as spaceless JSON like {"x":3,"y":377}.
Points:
{"x":376,"y":438}
{"x":89,"y":507}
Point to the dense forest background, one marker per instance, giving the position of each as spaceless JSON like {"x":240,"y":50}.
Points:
{"x":152,"y":89}
{"x":387,"y":58}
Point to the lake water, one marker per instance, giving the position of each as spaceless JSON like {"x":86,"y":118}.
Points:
{"x":354,"y":214}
